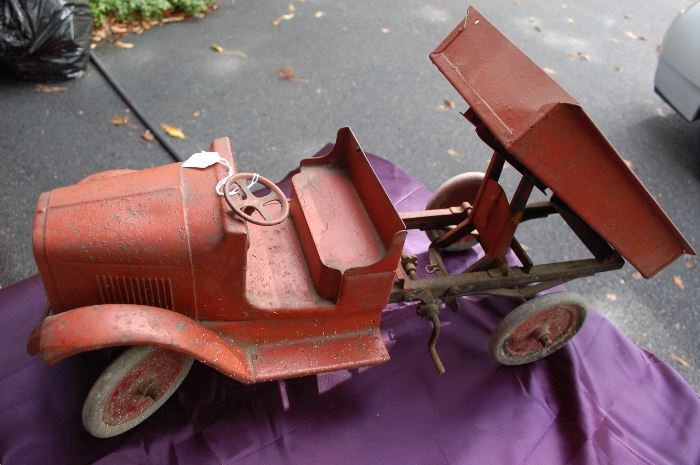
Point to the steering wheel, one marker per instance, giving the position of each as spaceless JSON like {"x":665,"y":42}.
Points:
{"x":244,"y":203}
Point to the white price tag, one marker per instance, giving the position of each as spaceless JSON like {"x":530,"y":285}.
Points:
{"x":202,"y":160}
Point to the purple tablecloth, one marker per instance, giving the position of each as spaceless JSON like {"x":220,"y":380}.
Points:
{"x":600,"y":400}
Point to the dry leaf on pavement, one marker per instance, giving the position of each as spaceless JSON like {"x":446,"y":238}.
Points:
{"x":44,"y":89}
{"x":197,"y":113}
{"x":122,"y":44}
{"x":172,"y":131}
{"x":118,"y":29}
{"x":148,"y":136}
{"x":611,"y":296}
{"x":678,"y":281}
{"x":174,"y":19}
{"x":319,"y":14}
{"x":680,"y":360}
{"x":453,"y":153}
{"x":291,"y":9}
{"x":219,"y":49}
{"x":287,"y":73}
{"x":119,"y":120}
{"x":445,"y":105}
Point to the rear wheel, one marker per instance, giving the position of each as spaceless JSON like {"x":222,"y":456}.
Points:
{"x":538,"y":328}
{"x":132,"y":387}
{"x":452,"y":193}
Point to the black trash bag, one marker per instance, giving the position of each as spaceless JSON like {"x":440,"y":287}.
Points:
{"x":45,"y":40}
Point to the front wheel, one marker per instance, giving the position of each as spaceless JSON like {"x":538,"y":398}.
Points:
{"x":132,"y":387}
{"x":537,"y":328}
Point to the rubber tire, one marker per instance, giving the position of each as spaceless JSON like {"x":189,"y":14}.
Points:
{"x":452,"y":193}
{"x":532,"y":308}
{"x":109,"y":380}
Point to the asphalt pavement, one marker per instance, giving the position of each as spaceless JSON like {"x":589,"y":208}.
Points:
{"x":365,"y":64}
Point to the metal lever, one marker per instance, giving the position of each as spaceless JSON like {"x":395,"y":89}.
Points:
{"x":433,"y":343}
{"x":429,"y":309}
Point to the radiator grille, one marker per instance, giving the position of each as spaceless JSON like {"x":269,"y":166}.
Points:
{"x":157,"y":292}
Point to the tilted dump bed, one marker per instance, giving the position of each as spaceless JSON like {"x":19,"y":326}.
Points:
{"x":528,"y":115}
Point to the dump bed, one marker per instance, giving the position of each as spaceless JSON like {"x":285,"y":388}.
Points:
{"x":545,"y":130}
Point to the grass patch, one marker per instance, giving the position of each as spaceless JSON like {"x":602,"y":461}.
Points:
{"x":136,"y":10}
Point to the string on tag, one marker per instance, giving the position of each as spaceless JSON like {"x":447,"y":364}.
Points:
{"x":220,"y":185}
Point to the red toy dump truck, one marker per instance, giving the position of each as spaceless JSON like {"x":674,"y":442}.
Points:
{"x":262,"y":287}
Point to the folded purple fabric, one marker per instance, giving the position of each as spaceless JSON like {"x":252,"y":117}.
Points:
{"x":600,"y":400}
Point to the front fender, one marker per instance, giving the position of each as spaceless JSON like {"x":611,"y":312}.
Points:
{"x":98,"y":326}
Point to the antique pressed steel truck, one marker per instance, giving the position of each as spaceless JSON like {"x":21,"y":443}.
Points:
{"x":262,"y":287}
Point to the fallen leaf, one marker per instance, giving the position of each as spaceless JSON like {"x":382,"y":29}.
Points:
{"x":549,"y":71}
{"x":386,"y":30}
{"x":584,"y":56}
{"x":678,"y":281}
{"x":287,"y":73}
{"x":636,"y":276}
{"x":631,"y":35}
{"x":611,"y":296}
{"x":319,"y":14}
{"x":219,"y":49}
{"x":118,"y":29}
{"x":277,"y":21}
{"x":445,"y":105}
{"x":642,"y":38}
{"x":684,"y":363}
{"x":174,"y":19}
{"x":172,"y":131}
{"x":122,"y":44}
{"x":570,"y":20}
{"x":453,"y":153}
{"x":119,"y":120}
{"x":291,"y":9}
{"x":81,"y":112}
{"x":196,"y":113}
{"x":628,"y":17}
{"x":537,"y":29}
{"x":617,"y":69}
{"x":629,"y":164}
{"x":689,"y":265}
{"x":148,"y":136}
{"x":44,"y":89}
